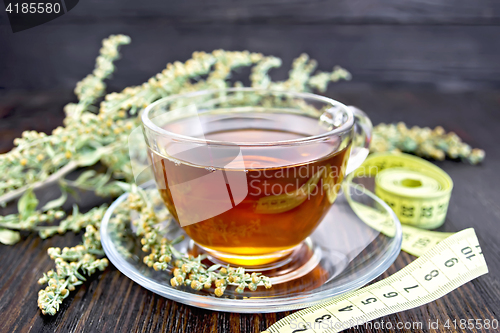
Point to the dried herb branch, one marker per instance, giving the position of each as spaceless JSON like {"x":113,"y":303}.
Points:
{"x":187,"y":270}
{"x":435,"y":144}
{"x":72,"y":264}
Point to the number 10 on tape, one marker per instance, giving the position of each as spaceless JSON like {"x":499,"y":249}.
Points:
{"x":448,"y":265}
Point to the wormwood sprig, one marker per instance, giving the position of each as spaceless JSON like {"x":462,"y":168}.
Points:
{"x":187,"y":270}
{"x":431,"y":143}
{"x":72,"y":264}
{"x":28,"y":217}
{"x":76,"y":222}
{"x":39,"y":159}
{"x":99,"y":134}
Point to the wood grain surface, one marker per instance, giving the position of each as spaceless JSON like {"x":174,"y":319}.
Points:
{"x":452,"y":45}
{"x":297,"y":11}
{"x":110,"y":302}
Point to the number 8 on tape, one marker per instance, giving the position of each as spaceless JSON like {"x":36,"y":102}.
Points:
{"x":448,"y":265}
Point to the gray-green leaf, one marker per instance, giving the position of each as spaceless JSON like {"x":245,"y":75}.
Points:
{"x":9,"y":237}
{"x":124,"y":186}
{"x":85,"y":176}
{"x":27,"y":204}
{"x":90,"y":158}
{"x":213,"y":268}
{"x":50,"y":151}
{"x":56,"y":203}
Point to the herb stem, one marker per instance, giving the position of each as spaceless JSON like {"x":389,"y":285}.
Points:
{"x":72,"y":165}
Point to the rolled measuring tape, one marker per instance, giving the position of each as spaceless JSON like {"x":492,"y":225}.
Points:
{"x":448,"y":265}
{"x":416,"y":190}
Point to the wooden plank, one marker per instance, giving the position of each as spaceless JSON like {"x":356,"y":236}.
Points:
{"x":443,"y":57}
{"x":20,"y":112}
{"x":284,"y":11}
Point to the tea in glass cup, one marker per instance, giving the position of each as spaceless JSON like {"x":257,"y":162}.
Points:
{"x":247,"y":173}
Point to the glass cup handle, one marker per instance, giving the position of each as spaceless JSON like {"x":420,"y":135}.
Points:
{"x":361,"y":140}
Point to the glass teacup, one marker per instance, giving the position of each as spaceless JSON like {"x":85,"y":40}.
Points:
{"x":248,"y":173}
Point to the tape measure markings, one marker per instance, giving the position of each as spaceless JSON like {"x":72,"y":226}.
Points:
{"x":448,"y":265}
{"x":415,"y":241}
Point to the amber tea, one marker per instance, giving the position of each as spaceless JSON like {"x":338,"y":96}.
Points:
{"x":250,"y":173}
{"x":242,"y":201}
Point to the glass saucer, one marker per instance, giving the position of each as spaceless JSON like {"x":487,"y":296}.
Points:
{"x":343,"y":254}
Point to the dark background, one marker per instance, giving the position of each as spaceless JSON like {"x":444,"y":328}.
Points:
{"x":424,"y":62}
{"x":441,"y":46}
{"x":446,"y":44}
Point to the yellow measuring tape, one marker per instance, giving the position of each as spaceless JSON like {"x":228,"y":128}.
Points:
{"x":415,"y":241}
{"x":450,"y":264}
{"x":446,"y":260}
{"x":417,"y":190}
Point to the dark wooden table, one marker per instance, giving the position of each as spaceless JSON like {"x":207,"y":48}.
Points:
{"x":111,"y":302}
